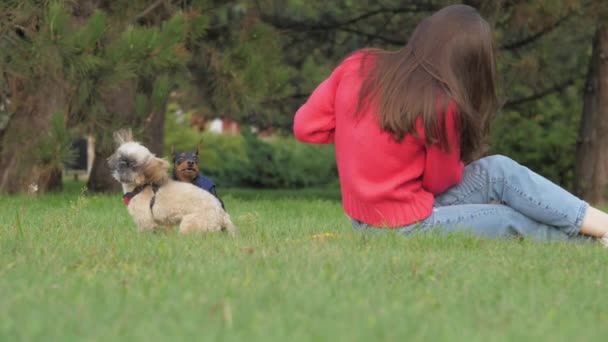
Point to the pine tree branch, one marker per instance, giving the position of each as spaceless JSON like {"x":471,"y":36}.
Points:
{"x":149,"y":9}
{"x":545,"y":92}
{"x":287,"y":23}
{"x":413,"y":8}
{"x":381,"y":38}
{"x":535,"y":36}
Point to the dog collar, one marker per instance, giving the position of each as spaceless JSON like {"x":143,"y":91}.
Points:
{"x":129,"y":195}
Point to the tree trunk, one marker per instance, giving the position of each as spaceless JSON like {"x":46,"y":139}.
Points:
{"x":34,"y":108}
{"x":120,"y":105}
{"x":154,"y":131}
{"x":154,"y":121}
{"x":591,"y":172}
{"x":50,"y":180}
{"x":100,"y":179}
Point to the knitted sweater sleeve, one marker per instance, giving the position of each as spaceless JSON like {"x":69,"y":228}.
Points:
{"x":315,"y":121}
{"x":443,"y":169}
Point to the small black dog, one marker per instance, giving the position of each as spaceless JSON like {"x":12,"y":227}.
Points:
{"x":185,"y":169}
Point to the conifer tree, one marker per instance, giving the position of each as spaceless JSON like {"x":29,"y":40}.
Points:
{"x":91,"y":66}
{"x":83,"y":67}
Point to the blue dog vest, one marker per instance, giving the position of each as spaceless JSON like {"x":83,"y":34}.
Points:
{"x":204,"y":183}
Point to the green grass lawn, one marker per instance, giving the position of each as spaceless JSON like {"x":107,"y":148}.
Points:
{"x":74,"y":268}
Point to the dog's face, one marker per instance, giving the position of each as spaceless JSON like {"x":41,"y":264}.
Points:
{"x":133,"y":164}
{"x":186,"y":165}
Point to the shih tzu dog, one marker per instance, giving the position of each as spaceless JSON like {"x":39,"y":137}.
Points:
{"x":154,"y":200}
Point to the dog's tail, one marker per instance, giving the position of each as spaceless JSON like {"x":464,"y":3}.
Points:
{"x":228,"y":226}
{"x":123,"y":135}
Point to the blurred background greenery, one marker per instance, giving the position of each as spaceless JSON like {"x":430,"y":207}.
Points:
{"x":172,"y":70}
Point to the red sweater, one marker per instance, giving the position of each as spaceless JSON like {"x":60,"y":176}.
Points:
{"x":384,"y":183}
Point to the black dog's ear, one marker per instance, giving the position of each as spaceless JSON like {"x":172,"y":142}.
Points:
{"x":198,"y":147}
{"x":173,"y":152}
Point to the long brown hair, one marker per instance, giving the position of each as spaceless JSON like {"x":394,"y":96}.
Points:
{"x":450,"y":56}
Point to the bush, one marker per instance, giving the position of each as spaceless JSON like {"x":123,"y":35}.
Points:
{"x":286,"y":163}
{"x":542,"y":136}
{"x":246,"y":160}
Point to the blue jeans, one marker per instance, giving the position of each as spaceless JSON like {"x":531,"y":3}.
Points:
{"x":500,"y":198}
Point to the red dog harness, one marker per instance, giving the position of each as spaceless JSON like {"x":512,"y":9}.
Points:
{"x":129,"y":195}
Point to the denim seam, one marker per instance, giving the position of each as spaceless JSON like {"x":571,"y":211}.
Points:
{"x":477,"y":187}
{"x":582,"y":210}
{"x":575,"y":224}
{"x":521,"y":193}
{"x":435,"y":223}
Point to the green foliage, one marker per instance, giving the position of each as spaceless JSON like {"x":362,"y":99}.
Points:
{"x":537,"y":130}
{"x":542,"y":136}
{"x":246,"y":160}
{"x":257,"y":61}
{"x":279,"y":163}
{"x":55,"y":146}
{"x":147,"y":51}
{"x":141,"y":105}
{"x":160,"y":92}
{"x":93,"y":55}
{"x":286,"y":163}
{"x":263,"y":169}
{"x":239,"y":69}
{"x":92,"y":33}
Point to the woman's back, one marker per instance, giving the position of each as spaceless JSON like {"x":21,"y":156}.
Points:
{"x":382,"y":180}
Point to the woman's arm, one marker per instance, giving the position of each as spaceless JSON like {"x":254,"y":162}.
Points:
{"x":443,"y":168}
{"x":315,"y":121}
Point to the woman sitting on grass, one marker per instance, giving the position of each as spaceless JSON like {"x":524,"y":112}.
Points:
{"x":404,"y":125}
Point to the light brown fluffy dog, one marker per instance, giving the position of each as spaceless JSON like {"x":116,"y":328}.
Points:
{"x":154,"y":200}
